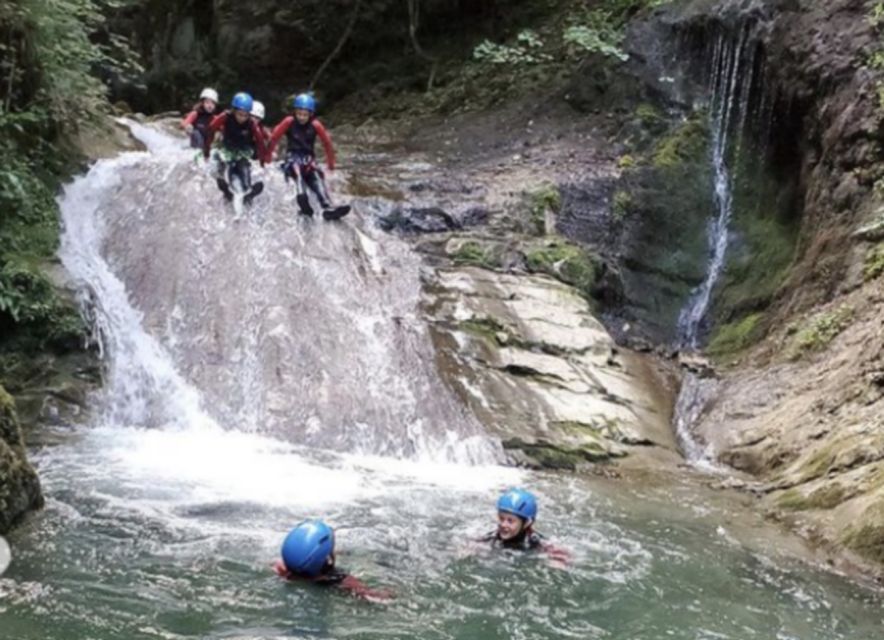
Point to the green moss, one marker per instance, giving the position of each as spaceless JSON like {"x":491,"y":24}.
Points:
{"x":556,"y":456}
{"x":621,"y":204}
{"x":684,"y":145}
{"x":626,"y":162}
{"x":819,"y":463}
{"x":820,"y":330}
{"x":567,"y":262}
{"x":473,"y":253}
{"x":866,"y":537}
{"x":827,"y":497}
{"x":735,"y":336}
{"x":487,"y":328}
{"x":874,"y":266}
{"x":545,"y":198}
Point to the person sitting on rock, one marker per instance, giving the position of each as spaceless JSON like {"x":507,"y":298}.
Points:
{"x":196,"y":123}
{"x":516,"y":514}
{"x":301,"y":130}
{"x":242,"y":140}
{"x":308,"y":553}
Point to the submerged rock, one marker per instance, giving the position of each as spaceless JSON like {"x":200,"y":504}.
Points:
{"x":19,"y":485}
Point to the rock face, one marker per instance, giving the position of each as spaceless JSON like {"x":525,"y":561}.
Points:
{"x":19,"y":485}
{"x":525,"y":353}
{"x":273,"y":48}
{"x":802,"y":409}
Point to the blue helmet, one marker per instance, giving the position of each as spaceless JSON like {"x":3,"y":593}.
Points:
{"x":305,"y":101}
{"x":518,"y":502}
{"x":307,"y":547}
{"x":242,"y":101}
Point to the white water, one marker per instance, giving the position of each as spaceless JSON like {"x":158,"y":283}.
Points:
{"x":733,"y":66}
{"x":380,"y":381}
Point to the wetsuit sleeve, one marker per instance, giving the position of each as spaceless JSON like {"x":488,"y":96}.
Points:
{"x":278,"y":132}
{"x":190,"y":118}
{"x":556,"y":554}
{"x":260,"y":143}
{"x":214,"y":126}
{"x":356,"y":587}
{"x":326,"y":144}
{"x":280,"y":569}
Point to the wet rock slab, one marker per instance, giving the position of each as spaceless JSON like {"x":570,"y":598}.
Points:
{"x":526,"y":354}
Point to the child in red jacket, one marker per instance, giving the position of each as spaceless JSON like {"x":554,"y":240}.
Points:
{"x":242,"y":140}
{"x":301,"y":131}
{"x":196,"y":123}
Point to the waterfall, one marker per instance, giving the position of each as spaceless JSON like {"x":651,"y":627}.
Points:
{"x":732,"y":72}
{"x":297,"y":329}
{"x":733,"y":65}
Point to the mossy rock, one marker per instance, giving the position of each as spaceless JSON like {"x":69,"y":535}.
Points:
{"x":557,"y":456}
{"x":546,"y":197}
{"x":820,"y":330}
{"x":684,"y":145}
{"x":19,"y":485}
{"x":827,"y":497}
{"x":867,"y":537}
{"x":874,"y":265}
{"x":621,"y":204}
{"x":735,"y":336}
{"x":566,"y":262}
{"x":475,"y":254}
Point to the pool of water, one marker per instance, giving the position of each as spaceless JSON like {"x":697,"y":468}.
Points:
{"x":170,"y":534}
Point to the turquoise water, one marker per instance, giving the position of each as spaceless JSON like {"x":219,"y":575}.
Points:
{"x":152,"y":534}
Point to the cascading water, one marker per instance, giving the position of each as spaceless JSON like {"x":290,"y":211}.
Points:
{"x":733,"y":64}
{"x":161,"y":525}
{"x":732,"y":74}
{"x":300,"y":332}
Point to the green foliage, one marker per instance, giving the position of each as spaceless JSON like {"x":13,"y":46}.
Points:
{"x":47,"y":57}
{"x":820,"y":330}
{"x":686,"y":144}
{"x":473,"y":253}
{"x":874,"y":265}
{"x":622,"y":204}
{"x":545,"y":198}
{"x":627,"y":161}
{"x":528,"y":49}
{"x":604,"y":39}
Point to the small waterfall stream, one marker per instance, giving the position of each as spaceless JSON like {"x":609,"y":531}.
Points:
{"x":733,"y":65}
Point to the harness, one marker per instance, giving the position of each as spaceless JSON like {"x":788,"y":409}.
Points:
{"x":525,"y":541}
{"x":238,"y":137}
{"x":301,"y":139}
{"x":203,"y":118}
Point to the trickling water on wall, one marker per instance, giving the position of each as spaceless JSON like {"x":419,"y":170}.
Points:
{"x":732,"y":75}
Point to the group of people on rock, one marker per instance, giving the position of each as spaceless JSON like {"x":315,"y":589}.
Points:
{"x":308,"y":551}
{"x":245,"y":137}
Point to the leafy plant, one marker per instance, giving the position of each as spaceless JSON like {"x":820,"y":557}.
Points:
{"x":528,"y":49}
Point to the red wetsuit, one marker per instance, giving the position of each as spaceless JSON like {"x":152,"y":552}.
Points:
{"x":302,"y":138}
{"x":333,"y":577}
{"x":238,"y":136}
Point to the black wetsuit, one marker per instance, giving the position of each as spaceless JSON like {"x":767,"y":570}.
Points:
{"x":525,"y":541}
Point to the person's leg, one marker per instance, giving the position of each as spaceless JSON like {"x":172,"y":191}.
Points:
{"x":316,"y":183}
{"x":221,"y":177}
{"x":197,"y":139}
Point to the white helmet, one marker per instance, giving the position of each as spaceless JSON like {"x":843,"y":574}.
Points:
{"x":211,"y":94}
{"x":258,"y":110}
